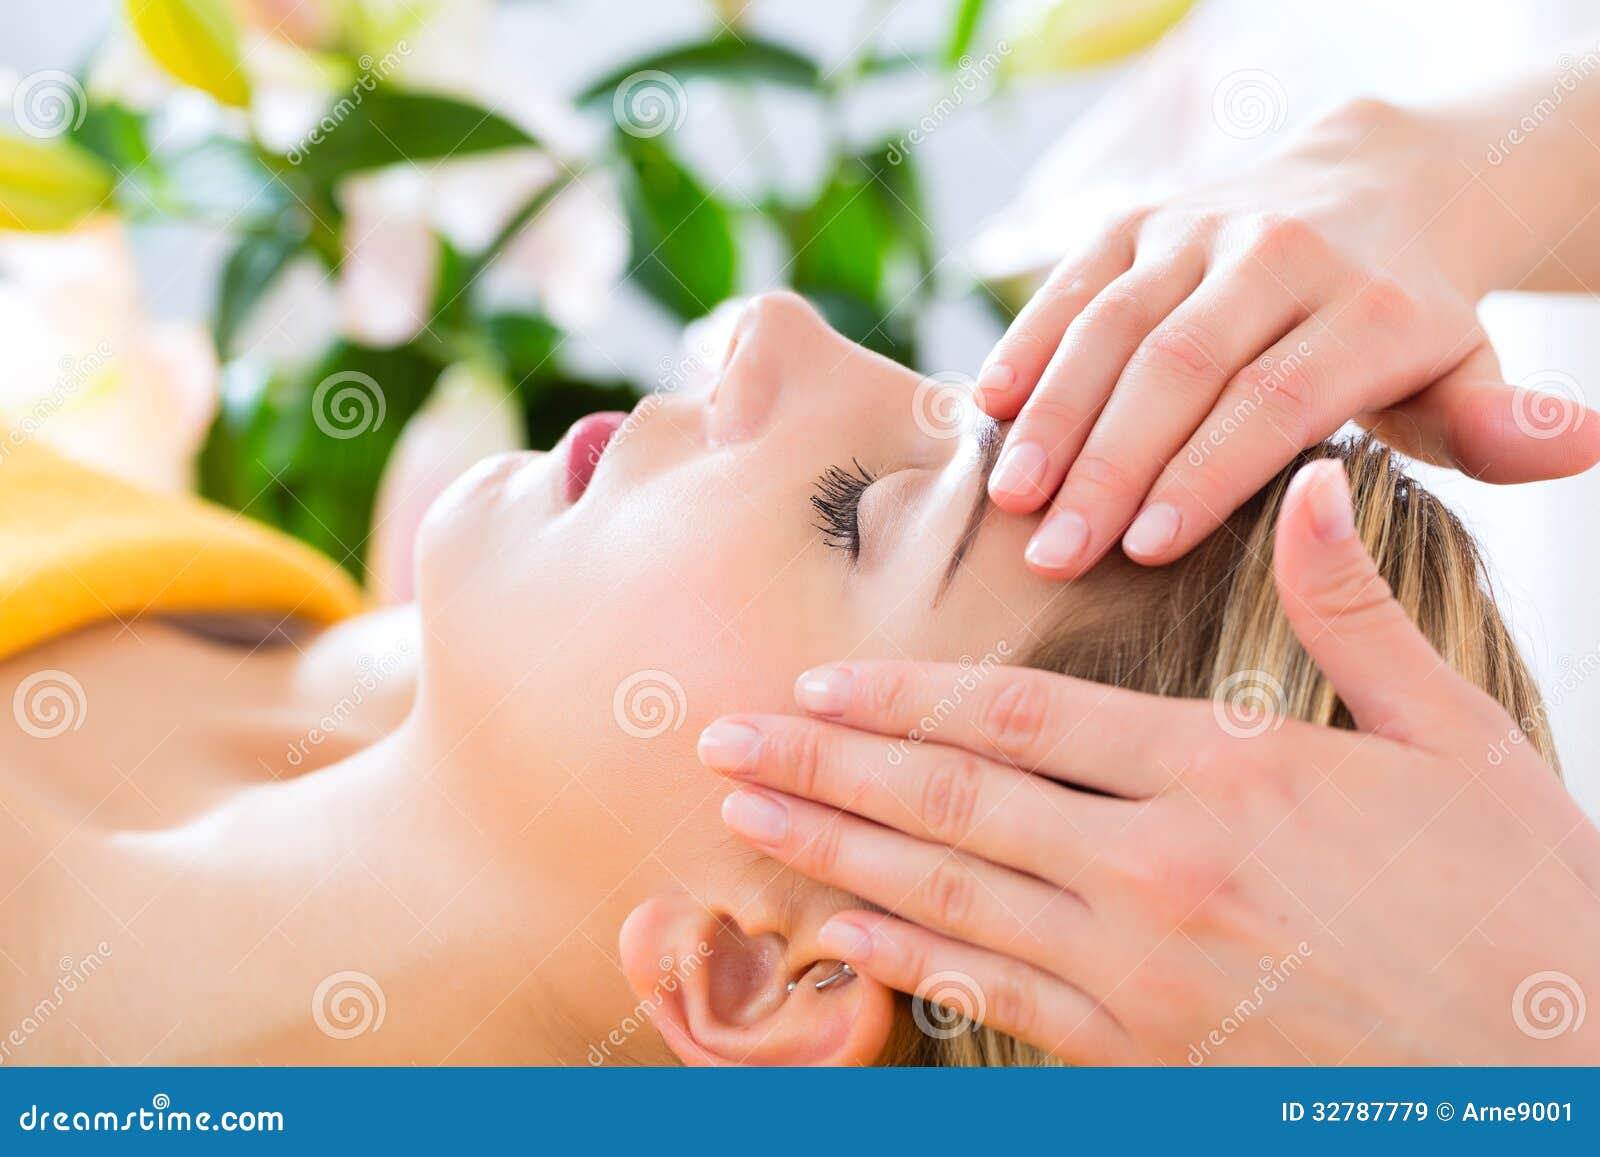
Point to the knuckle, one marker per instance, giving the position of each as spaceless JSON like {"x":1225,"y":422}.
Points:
{"x":948,"y":893}
{"x":805,"y":752}
{"x":1099,"y":474}
{"x":950,"y":799}
{"x":1015,"y":715}
{"x":1056,"y":416}
{"x":1353,"y":591}
{"x":1128,"y":224}
{"x":1279,"y":238}
{"x":1383,"y":303}
{"x":1116,"y":310}
{"x":887,"y":694}
{"x":1182,"y":351}
{"x":823,"y":850}
{"x":1287,"y":391}
{"x":1012,"y":1005}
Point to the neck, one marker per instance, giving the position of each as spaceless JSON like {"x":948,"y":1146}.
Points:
{"x":388,"y":881}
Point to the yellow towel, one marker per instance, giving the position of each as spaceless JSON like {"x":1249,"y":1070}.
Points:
{"x":79,"y":547}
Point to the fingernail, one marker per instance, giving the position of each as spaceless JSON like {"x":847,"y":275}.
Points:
{"x":1153,"y":531}
{"x":1060,"y":540}
{"x":728,"y":746}
{"x":1020,"y":470}
{"x":1332,"y":519}
{"x":824,"y":690}
{"x":844,"y":939}
{"x":756,"y":817}
{"x":993,"y":381}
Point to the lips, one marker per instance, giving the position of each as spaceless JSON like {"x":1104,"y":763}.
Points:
{"x":586,"y":443}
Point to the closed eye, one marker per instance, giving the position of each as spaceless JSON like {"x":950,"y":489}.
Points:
{"x":837,"y":502}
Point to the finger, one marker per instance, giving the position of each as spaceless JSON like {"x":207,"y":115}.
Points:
{"x":1120,"y":742}
{"x":992,"y":987}
{"x":1387,"y":673}
{"x":1167,"y":389}
{"x":1472,"y":421}
{"x":964,"y":896}
{"x":1288,"y":399}
{"x":1057,"y":417}
{"x":941,"y":794}
{"x":1013,"y":367}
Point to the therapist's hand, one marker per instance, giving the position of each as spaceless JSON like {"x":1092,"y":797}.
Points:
{"x":1164,"y":373}
{"x":1114,"y":878}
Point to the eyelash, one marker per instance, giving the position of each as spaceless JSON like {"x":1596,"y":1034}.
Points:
{"x":838,"y":506}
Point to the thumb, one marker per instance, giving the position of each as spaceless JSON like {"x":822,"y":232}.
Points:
{"x":1472,"y":421}
{"x":1345,"y":616}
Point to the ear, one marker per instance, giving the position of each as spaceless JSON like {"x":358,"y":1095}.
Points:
{"x":717,"y":989}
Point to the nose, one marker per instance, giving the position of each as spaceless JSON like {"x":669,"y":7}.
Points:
{"x":775,"y":338}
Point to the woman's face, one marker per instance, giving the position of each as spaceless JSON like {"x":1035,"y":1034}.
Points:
{"x":723,"y":545}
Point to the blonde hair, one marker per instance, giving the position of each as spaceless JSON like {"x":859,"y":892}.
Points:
{"x":1190,"y":629}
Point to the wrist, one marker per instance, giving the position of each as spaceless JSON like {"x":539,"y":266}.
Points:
{"x":1526,"y":175}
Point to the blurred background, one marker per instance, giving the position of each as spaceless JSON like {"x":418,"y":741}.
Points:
{"x":313,"y":258}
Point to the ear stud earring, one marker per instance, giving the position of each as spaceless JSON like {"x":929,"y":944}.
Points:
{"x":840,"y":975}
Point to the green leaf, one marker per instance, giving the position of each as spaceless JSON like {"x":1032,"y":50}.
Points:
{"x":899,"y":188}
{"x":306,"y":454}
{"x":683,"y":245}
{"x":250,"y":271}
{"x":368,"y":130}
{"x":965,"y":26}
{"x":841,"y":242}
{"x":866,"y":323}
{"x":116,"y":134}
{"x":723,"y":57}
{"x":525,"y":346}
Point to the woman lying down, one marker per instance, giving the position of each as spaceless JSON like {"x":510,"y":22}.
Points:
{"x":476,"y":830}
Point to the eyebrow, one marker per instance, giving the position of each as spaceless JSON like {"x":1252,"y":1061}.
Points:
{"x":988,"y":452}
